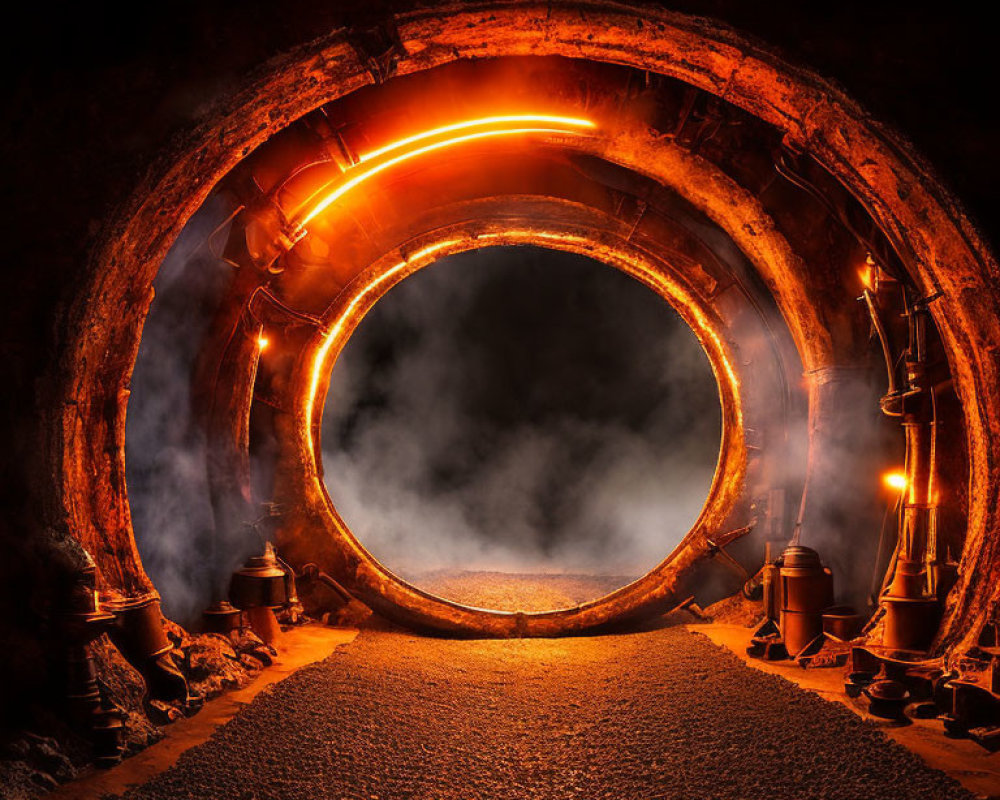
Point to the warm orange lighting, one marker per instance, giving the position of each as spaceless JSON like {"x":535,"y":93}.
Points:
{"x":545,"y":125}
{"x":262,"y":342}
{"x":519,"y":119}
{"x":895,"y":481}
{"x":335,"y":334}
{"x":869,"y":274}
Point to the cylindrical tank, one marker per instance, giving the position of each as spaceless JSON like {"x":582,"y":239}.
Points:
{"x":772,"y":591}
{"x":259,"y":583}
{"x":806,"y":589}
{"x":221,"y":617}
{"x":911,"y":622}
{"x":842,"y":622}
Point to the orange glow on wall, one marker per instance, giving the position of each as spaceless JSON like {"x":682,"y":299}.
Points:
{"x":869,"y":274}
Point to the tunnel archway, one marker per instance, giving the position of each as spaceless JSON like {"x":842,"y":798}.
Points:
{"x":925,"y":227}
{"x":301,"y":489}
{"x":520,"y":428}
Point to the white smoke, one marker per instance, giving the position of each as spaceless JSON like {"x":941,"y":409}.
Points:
{"x":164,"y":445}
{"x":442,"y":465}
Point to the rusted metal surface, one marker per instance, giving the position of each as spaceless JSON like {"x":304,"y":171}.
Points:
{"x":311,"y":529}
{"x":807,"y":589}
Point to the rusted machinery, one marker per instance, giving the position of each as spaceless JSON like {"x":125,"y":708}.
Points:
{"x":135,"y":626}
{"x":258,"y":588}
{"x":917,"y":580}
{"x":139,"y":634}
{"x":893,"y":670}
{"x":221,"y":617}
{"x":262,"y":586}
{"x":798,"y":605}
{"x":82,"y":620}
{"x":964,"y":696}
{"x":893,"y":681}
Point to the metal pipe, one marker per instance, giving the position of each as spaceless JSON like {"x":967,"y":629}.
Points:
{"x":869,"y":297}
{"x":912,"y":609}
{"x":312,"y":571}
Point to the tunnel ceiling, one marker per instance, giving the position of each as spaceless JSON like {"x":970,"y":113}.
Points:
{"x":745,"y":191}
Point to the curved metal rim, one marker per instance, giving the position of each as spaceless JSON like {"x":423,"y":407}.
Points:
{"x":377,"y":585}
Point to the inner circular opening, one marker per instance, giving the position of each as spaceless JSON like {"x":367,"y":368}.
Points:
{"x":517,"y":428}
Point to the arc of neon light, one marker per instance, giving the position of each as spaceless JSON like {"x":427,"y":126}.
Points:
{"x":570,"y":122}
{"x":351,"y":183}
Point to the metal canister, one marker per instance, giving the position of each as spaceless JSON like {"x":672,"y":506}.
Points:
{"x":259,"y":583}
{"x":911,"y":622}
{"x":912,"y":614}
{"x":771,"y":575}
{"x":806,"y":589}
{"x":221,"y":617}
{"x":842,"y":622}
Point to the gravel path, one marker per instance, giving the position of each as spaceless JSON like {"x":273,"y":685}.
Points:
{"x":513,"y":591}
{"x":663,"y":714}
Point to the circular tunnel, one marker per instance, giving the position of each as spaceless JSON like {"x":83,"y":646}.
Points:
{"x":520,"y":428}
{"x":690,"y":160}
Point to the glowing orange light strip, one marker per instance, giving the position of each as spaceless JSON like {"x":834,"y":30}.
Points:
{"x":571,"y":122}
{"x":557,"y":125}
{"x":347,"y":185}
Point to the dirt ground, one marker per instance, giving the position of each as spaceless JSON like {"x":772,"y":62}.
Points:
{"x":658,"y":714}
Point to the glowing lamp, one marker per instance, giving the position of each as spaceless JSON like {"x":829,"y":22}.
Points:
{"x":869,"y":274}
{"x":895,"y":481}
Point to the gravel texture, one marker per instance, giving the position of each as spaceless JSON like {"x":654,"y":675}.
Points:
{"x":516,"y":591}
{"x":660,"y":714}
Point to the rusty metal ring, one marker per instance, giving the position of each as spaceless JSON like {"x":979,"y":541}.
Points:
{"x":340,"y":552}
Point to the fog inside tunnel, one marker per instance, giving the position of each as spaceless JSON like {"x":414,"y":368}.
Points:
{"x":521,"y":410}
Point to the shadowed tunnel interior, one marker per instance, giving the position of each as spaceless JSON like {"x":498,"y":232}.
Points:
{"x":509,"y":339}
